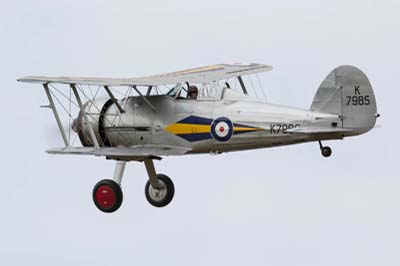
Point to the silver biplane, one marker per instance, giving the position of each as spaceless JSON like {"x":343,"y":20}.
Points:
{"x":192,"y":112}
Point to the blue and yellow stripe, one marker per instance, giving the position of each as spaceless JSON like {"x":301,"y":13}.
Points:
{"x":196,"y":128}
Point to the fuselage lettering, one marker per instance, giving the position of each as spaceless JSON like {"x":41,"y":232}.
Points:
{"x":357,"y":99}
{"x":281,"y":128}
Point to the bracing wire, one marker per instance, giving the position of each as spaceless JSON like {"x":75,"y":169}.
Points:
{"x":61,"y":104}
{"x":254,"y":88}
{"x":235,"y":85}
{"x":90,"y":90}
{"x":92,"y":103}
{"x":62,"y":94}
{"x":262,"y":89}
{"x":74,"y":140}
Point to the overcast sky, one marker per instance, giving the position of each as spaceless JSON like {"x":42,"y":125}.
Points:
{"x":280,"y":206}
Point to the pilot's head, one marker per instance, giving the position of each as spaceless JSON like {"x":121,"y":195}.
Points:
{"x":193,"y":92}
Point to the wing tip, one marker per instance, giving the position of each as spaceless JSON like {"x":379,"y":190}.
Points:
{"x":30,"y":79}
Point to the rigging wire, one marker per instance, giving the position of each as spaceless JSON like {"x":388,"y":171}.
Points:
{"x":74,"y":140}
{"x":90,"y":90}
{"x":252,"y":85}
{"x":115,"y":90}
{"x":64,"y":108}
{"x":235,"y":84}
{"x":65,"y":96}
{"x":262,"y":89}
{"x":61,"y":104}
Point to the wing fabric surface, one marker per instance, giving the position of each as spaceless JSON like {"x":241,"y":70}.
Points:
{"x":195,"y":75}
{"x":135,"y":153}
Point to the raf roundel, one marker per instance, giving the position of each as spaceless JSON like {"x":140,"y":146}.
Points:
{"x":222,"y":129}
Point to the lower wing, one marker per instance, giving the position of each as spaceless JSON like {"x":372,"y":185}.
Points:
{"x":135,"y":153}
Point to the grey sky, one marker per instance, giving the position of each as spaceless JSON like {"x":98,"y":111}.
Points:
{"x":280,"y":206}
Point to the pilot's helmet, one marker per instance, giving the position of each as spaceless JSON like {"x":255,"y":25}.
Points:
{"x":193,"y":91}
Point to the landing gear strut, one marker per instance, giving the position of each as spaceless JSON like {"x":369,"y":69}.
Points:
{"x":326,"y":151}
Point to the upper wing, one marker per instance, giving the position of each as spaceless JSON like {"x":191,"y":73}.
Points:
{"x":195,"y":75}
{"x":135,"y":153}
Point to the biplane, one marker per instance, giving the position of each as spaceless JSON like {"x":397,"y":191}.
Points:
{"x":196,"y":111}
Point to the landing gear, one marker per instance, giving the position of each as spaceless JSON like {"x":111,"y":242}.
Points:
{"x":326,"y":151}
{"x":159,"y":189}
{"x":108,"y":197}
{"x":161,"y":195}
{"x":107,"y":193}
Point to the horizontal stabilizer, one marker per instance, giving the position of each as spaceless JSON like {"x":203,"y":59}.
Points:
{"x":135,"y":153}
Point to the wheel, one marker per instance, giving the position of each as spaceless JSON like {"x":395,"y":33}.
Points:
{"x":107,"y":195}
{"x":326,"y":151}
{"x":160,"y":197}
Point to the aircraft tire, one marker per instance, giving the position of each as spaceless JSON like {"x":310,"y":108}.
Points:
{"x":326,"y":151}
{"x":160,"y":197}
{"x":107,"y":195}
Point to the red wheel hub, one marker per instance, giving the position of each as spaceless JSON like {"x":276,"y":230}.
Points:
{"x":222,"y":129}
{"x":106,"y":197}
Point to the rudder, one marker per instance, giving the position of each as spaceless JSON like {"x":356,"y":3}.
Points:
{"x":347,"y":92}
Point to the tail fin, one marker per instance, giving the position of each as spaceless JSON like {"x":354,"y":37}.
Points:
{"x":347,"y":92}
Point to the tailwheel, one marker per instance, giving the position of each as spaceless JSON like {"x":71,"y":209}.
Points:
{"x":326,"y":151}
{"x":162,"y":193}
{"x":107,"y":195}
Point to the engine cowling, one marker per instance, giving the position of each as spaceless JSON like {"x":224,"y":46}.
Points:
{"x":113,"y":128}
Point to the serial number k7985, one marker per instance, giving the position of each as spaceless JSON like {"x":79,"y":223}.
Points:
{"x":281,"y":128}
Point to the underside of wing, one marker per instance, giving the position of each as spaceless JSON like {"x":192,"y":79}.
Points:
{"x":195,"y":75}
{"x":135,"y":153}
